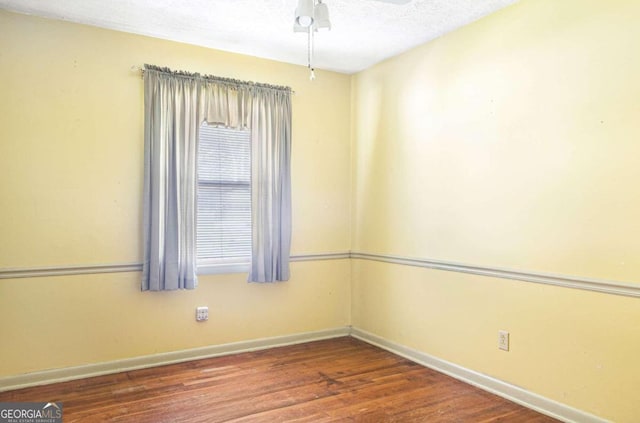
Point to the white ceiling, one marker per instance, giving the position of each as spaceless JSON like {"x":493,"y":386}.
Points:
{"x":364,"y":31}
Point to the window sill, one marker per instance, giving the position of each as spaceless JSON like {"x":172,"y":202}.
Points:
{"x":223,"y":268}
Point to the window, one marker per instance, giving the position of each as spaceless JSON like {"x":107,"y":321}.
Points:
{"x":232,"y":170}
{"x":223,"y":241}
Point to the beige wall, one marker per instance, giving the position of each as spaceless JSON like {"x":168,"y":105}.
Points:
{"x":509,"y":143}
{"x":71,"y":165}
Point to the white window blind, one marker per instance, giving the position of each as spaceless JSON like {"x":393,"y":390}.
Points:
{"x":224,"y":196}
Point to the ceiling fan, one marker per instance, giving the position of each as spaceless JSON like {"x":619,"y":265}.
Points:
{"x":312,"y":16}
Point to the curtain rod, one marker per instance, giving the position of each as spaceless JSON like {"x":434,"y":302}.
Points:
{"x":142,"y":70}
{"x":137,"y":69}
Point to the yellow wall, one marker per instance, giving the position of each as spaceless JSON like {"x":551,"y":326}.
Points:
{"x":71,"y":165}
{"x":510,"y":143}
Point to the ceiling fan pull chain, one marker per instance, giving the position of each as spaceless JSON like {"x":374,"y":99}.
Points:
{"x":312,"y":75}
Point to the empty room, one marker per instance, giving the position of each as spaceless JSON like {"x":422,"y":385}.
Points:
{"x":336,"y":210}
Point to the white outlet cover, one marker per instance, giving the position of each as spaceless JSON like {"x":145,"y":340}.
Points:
{"x":202,"y":314}
{"x":503,"y":340}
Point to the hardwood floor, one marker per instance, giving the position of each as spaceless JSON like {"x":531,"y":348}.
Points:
{"x":340,"y":379}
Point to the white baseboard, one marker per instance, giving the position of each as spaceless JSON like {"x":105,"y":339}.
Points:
{"x":506,"y":390}
{"x":71,"y":373}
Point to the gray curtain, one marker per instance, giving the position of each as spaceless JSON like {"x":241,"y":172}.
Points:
{"x":270,"y":186}
{"x":176,"y":104}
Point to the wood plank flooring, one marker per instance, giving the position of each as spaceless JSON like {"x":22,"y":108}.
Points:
{"x":340,"y":379}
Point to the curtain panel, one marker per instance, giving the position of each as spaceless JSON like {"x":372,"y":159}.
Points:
{"x":176,"y":104}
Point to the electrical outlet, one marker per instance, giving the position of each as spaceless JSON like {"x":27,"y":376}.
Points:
{"x":503,"y":340}
{"x":202,"y":314}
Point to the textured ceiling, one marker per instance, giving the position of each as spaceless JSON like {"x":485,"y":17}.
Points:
{"x":363,"y":33}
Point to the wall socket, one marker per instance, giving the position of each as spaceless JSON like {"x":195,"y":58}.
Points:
{"x":202,"y":314}
{"x":503,"y":340}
